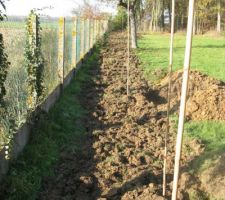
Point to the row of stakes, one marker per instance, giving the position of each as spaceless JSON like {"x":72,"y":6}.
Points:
{"x":187,"y":61}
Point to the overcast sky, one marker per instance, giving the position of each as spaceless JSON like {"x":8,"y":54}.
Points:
{"x":59,"y":7}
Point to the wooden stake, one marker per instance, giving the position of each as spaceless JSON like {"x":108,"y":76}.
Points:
{"x":61,"y":44}
{"x":82,"y":38}
{"x":183,"y":97}
{"x":98,"y":29}
{"x":94,"y":31}
{"x":74,"y":43}
{"x":91,"y":34}
{"x":168,"y":97}
{"x":128,"y":48}
{"x":87,"y":35}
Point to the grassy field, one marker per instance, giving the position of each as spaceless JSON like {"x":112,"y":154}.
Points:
{"x":207,"y":53}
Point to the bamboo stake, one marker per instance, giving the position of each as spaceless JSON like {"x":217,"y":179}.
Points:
{"x":168,"y":96}
{"x":128,"y":48}
{"x":183,"y":97}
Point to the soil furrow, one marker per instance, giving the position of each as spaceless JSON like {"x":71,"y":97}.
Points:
{"x":123,"y":155}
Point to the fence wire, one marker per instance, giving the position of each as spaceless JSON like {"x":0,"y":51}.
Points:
{"x":14,"y":38}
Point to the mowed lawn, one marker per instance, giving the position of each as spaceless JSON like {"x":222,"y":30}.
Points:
{"x":208,"y":53}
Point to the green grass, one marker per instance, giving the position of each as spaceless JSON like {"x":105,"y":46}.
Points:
{"x":61,"y":129}
{"x":207,"y":54}
{"x":212,"y":134}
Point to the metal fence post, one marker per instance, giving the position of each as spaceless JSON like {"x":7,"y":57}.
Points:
{"x":61,"y":46}
{"x":74,"y":43}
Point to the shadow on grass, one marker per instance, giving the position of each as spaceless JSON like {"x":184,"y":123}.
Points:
{"x":166,"y":49}
{"x":211,"y":133}
{"x":205,"y":160}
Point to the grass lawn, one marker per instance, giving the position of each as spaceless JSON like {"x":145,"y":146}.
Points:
{"x":208,"y":53}
{"x":212,"y":134}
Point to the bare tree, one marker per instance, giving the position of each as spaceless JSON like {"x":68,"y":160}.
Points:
{"x":90,"y":11}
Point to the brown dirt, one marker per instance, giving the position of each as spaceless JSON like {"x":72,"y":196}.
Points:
{"x":206,"y":98}
{"x":123,"y":155}
{"x":122,"y":158}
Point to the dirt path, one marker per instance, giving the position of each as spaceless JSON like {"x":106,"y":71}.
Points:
{"x":123,"y":155}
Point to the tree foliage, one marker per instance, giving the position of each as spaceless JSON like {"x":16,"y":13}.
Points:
{"x":206,"y":14}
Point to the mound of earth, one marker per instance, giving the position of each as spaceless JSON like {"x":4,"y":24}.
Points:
{"x":206,"y":96}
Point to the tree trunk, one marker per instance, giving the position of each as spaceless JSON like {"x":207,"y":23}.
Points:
{"x":218,"y":16}
{"x":162,"y":17}
{"x":194,"y":24}
{"x":169,"y":9}
{"x":133,"y":29}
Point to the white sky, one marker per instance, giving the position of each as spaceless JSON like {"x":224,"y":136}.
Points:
{"x":60,"y":7}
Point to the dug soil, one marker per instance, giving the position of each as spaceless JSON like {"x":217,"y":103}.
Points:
{"x":206,"y":96}
{"x":123,"y":155}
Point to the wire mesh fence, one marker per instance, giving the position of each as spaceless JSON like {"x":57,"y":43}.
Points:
{"x":49,"y":44}
{"x":79,"y":36}
{"x":14,"y":38}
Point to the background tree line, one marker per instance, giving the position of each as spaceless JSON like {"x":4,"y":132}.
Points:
{"x":155,"y":15}
{"x":209,"y":15}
